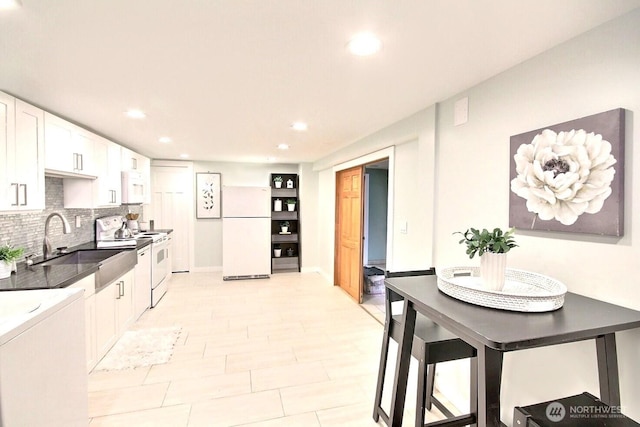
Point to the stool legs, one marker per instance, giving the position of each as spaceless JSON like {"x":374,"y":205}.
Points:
{"x":381,"y":374}
{"x":431,"y":376}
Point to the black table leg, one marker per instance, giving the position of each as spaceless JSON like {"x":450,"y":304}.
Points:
{"x":489,"y":383}
{"x":399,"y":391}
{"x":473,"y":388}
{"x":608,"y":369}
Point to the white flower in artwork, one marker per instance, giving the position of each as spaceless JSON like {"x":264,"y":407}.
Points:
{"x":563,"y":175}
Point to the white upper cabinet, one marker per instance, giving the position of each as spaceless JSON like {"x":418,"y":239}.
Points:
{"x":69,"y":148}
{"x":21,"y":155}
{"x":132,"y":161}
{"x":106,"y":189}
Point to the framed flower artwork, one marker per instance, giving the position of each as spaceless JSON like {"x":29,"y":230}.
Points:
{"x":207,"y":195}
{"x":570,"y":176}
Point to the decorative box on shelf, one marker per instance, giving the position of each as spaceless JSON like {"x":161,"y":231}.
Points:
{"x":523,"y":291}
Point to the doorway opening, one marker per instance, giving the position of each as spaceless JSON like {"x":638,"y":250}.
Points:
{"x":362,"y":205}
{"x":374,"y":251}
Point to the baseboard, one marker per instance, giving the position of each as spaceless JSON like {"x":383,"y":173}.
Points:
{"x":206,"y":269}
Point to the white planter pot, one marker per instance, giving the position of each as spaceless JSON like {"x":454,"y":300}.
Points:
{"x":291,"y":207}
{"x":277,"y":253}
{"x":277,"y":205}
{"x":5,"y":269}
{"x":492,"y":270}
{"x":278,"y":184}
{"x":284,"y":229}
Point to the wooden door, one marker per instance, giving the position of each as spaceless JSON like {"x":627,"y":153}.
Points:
{"x":349,"y":223}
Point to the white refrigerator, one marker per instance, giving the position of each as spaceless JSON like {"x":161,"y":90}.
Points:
{"x":246,"y":232}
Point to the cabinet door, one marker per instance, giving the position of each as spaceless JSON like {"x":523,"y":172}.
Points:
{"x":9,"y":191}
{"x":68,"y":147}
{"x":28,"y":155}
{"x":142,"y":283}
{"x":108,"y":185}
{"x":58,"y":137}
{"x":106,"y":326}
{"x":124,"y":308}
{"x":83,"y":147}
{"x":90,"y":331}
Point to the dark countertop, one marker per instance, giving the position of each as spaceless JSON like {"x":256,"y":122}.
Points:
{"x":56,"y":276}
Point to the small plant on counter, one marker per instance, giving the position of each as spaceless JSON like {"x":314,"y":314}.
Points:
{"x":284,"y":224}
{"x":10,"y":254}
{"x":496,"y":241}
{"x":291,"y":201}
{"x":277,"y":179}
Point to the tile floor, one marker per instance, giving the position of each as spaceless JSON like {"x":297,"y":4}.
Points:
{"x":286,"y":351}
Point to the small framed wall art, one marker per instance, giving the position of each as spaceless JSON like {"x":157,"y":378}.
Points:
{"x":208,"y":195}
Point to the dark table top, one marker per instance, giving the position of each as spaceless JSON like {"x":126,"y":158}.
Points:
{"x":56,"y":276}
{"x":579,"y":318}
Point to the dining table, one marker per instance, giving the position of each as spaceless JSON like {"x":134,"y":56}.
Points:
{"x":493,"y":332}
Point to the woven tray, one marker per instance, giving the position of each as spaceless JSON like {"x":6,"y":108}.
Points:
{"x":523,"y":290}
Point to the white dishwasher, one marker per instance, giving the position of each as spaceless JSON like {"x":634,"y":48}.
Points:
{"x":43,"y":368}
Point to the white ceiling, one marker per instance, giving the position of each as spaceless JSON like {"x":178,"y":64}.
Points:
{"x":225,"y":78}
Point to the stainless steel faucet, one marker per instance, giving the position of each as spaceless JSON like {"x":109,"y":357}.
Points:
{"x":46,"y":245}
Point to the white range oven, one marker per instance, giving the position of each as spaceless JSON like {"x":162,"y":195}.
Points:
{"x":159,"y":264}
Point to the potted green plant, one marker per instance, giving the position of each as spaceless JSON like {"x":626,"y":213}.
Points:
{"x":8,"y":256}
{"x":284,"y":226}
{"x":277,"y":181}
{"x":492,"y":248}
{"x":291,"y":205}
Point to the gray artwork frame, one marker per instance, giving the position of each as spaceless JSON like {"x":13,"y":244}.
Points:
{"x":208,"y":195}
{"x":609,"y":219}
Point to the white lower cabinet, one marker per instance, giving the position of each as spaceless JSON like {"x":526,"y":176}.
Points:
{"x":142,"y":285}
{"x":114,"y":312}
{"x":89,"y":286}
{"x":106,"y":329}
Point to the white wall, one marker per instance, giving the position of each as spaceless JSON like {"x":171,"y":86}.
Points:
{"x":410,"y":147}
{"x":207,"y":239}
{"x":595,"y":72}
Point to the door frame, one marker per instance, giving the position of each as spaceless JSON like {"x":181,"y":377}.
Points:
{"x":374,"y":157}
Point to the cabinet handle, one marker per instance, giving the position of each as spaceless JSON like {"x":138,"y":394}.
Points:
{"x":24,"y":186}
{"x":134,"y":163}
{"x":81,"y":163}
{"x":75,"y":161}
{"x":17,"y":196}
{"x":122,"y":289}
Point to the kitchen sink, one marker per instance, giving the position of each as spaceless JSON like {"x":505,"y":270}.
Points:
{"x":80,"y":257}
{"x":113,"y":263}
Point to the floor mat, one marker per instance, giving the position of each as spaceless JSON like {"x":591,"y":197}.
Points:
{"x":140,"y":348}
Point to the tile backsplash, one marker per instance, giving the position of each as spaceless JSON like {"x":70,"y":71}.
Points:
{"x":26,"y":229}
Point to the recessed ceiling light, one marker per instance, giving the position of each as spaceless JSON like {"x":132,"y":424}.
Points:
{"x":164,"y":139}
{"x":299,"y":126}
{"x":283,"y":146}
{"x":135,"y":114}
{"x":364,"y":44}
{"x":10,"y":4}
{"x":184,"y":156}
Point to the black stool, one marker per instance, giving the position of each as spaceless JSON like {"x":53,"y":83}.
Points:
{"x":431,"y":344}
